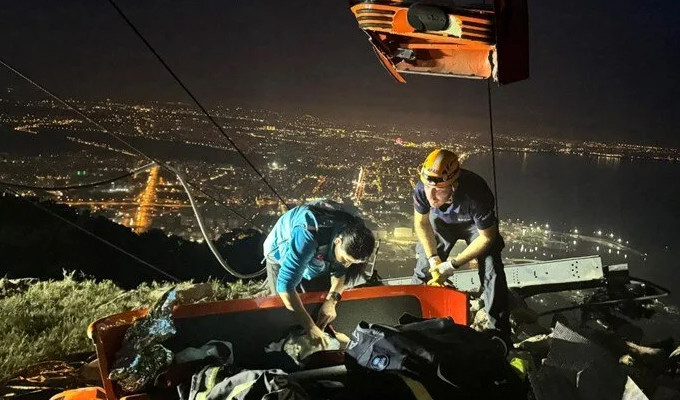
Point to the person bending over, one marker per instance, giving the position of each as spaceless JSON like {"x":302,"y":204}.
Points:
{"x":325,"y":247}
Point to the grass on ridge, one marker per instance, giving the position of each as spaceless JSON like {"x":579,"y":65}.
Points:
{"x":47,"y":320}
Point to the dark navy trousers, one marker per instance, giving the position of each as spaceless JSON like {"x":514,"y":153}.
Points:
{"x":491,"y":273}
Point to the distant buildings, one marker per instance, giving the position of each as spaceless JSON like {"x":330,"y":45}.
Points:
{"x":403,"y":233}
{"x":302,"y":156}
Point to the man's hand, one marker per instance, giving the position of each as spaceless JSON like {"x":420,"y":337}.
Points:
{"x":441,"y":272}
{"x":327,"y":314}
{"x":433,"y":262}
{"x":317,"y":336}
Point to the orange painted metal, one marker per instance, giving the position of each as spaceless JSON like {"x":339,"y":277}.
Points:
{"x":389,"y":66}
{"x":87,"y":393}
{"x":107,"y":333}
{"x":142,"y":396}
{"x":464,"y":63}
{"x":400,"y":22}
{"x":479,"y":43}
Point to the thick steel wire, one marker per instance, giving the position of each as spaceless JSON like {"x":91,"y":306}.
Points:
{"x":190,"y":94}
{"x":82,"y":186}
{"x":85,"y":231}
{"x":118,"y":138}
{"x":493,"y":148}
{"x":208,"y":241}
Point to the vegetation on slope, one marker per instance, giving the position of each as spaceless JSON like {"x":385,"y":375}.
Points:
{"x":45,"y":320}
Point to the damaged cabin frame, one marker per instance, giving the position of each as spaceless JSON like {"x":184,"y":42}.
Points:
{"x":446,"y":38}
{"x":562,"y":275}
{"x":267,"y":318}
{"x":436,"y":37}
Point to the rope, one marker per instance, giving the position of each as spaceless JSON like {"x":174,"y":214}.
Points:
{"x":158,"y":162}
{"x":209,"y":242}
{"x":493,"y":149}
{"x":83,"y":186}
{"x":117,"y":137}
{"x":85,"y":231}
{"x":190,"y":94}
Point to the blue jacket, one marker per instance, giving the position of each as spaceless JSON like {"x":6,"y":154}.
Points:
{"x":301,"y":243}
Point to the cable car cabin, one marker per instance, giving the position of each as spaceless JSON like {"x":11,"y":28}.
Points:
{"x":446,"y":38}
{"x":251,"y":324}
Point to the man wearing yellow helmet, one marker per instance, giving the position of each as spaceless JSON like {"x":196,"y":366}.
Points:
{"x":452,"y":203}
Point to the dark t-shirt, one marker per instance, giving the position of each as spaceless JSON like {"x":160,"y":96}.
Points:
{"x":472,"y":202}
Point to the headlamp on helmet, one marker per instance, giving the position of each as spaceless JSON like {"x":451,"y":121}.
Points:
{"x":440,"y":169}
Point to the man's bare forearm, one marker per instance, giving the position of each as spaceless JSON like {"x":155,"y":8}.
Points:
{"x":337,"y":284}
{"x":478,"y":246}
{"x":473,"y":250}
{"x":425,"y":235}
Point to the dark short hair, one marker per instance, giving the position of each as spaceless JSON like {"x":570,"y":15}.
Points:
{"x":354,"y":272}
{"x":357,"y":241}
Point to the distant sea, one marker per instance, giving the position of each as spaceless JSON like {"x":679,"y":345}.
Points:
{"x":54,"y":142}
{"x":637,"y":200}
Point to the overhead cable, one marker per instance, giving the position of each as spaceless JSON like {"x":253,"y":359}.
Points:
{"x":209,"y":242}
{"x":117,"y":137}
{"x":85,"y":231}
{"x":190,"y":94}
{"x":493,"y":149}
{"x":82,"y":186}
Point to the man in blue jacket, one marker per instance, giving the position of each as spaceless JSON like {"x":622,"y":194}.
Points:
{"x":310,"y":241}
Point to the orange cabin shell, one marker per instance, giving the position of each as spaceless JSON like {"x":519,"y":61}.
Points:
{"x":439,"y":38}
{"x":249,"y":324}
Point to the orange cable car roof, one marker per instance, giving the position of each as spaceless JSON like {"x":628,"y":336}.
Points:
{"x":438,"y":38}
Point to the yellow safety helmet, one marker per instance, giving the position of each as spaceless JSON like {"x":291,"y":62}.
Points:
{"x":441,"y":168}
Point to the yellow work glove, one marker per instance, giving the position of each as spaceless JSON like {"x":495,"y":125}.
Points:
{"x":440,"y":273}
{"x":434,"y":261}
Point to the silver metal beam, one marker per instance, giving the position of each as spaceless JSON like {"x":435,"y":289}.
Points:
{"x":539,"y":273}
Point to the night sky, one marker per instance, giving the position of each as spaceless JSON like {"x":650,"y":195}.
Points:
{"x":599,"y":70}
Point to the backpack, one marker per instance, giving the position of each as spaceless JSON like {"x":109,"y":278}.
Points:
{"x":447,"y":358}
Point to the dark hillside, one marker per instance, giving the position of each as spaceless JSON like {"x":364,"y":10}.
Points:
{"x":35,"y":244}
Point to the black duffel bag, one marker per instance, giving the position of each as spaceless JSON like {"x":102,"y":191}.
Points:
{"x":447,"y":358}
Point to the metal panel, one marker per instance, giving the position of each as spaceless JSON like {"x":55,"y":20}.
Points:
{"x":567,"y":270}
